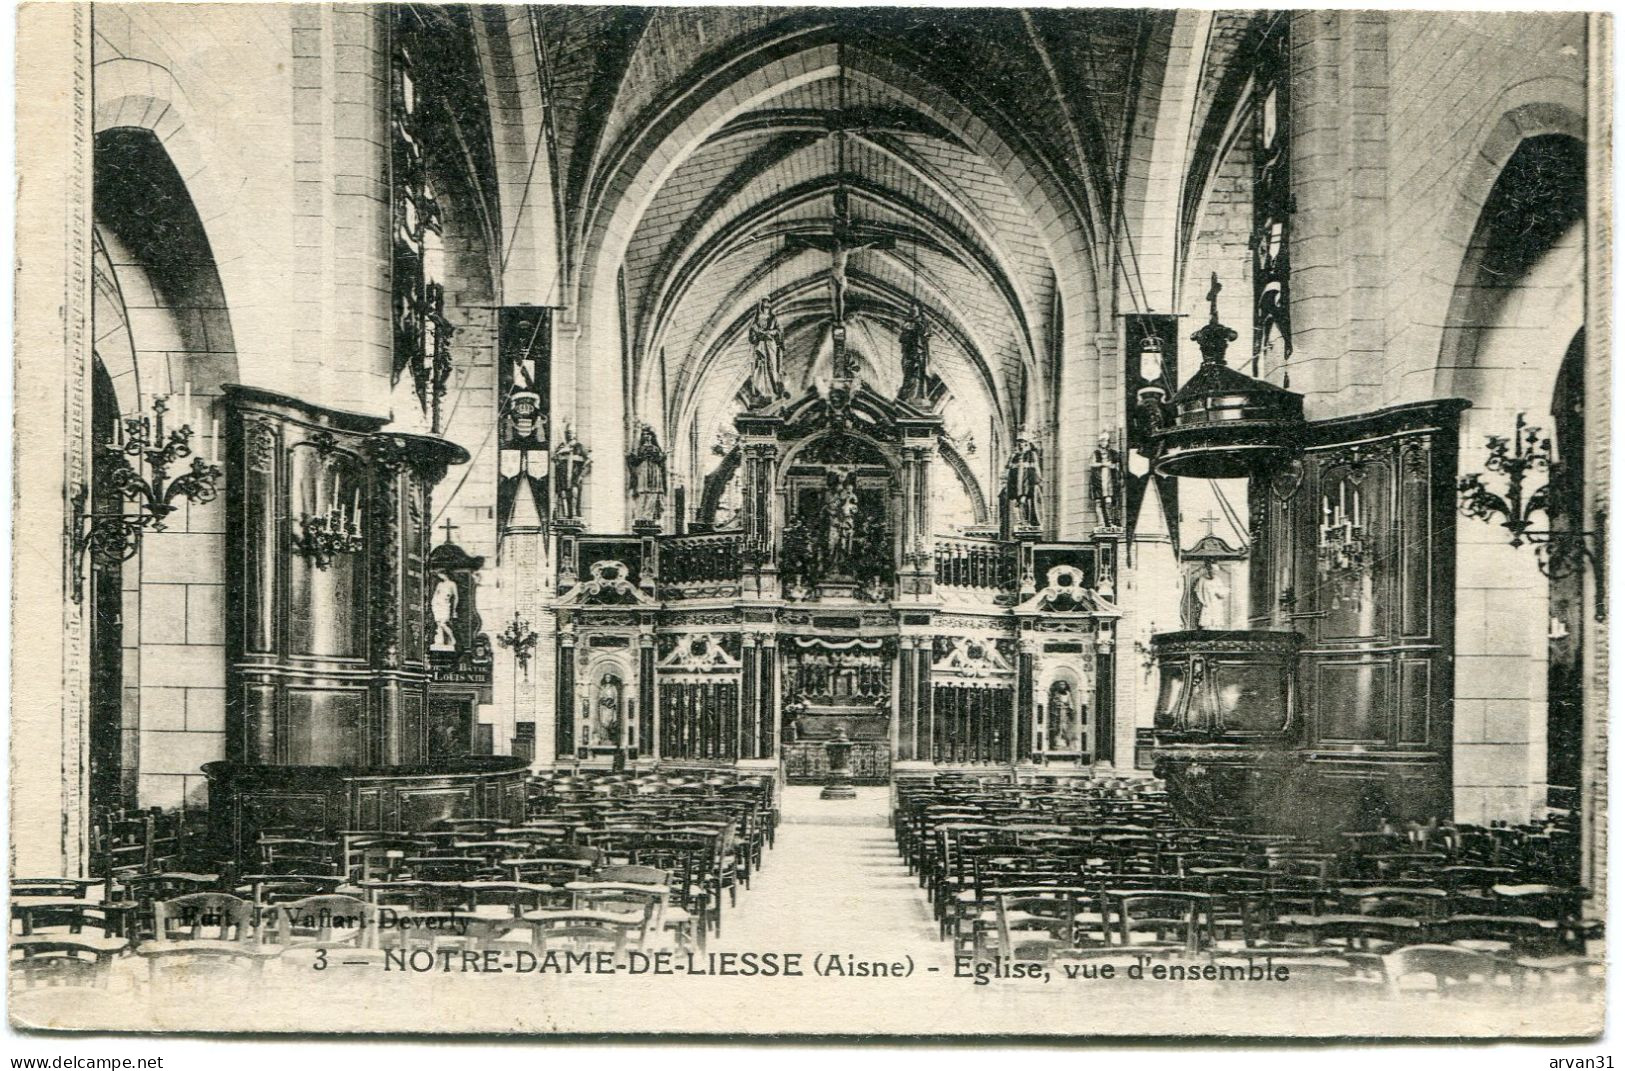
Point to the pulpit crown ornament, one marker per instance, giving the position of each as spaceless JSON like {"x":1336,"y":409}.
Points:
{"x":1214,"y":338}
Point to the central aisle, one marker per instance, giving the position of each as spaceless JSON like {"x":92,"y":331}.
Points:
{"x":833,"y":880}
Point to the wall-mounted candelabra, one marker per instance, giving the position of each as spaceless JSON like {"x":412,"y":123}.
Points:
{"x":1560,"y":551}
{"x":324,"y":536}
{"x":331,"y":526}
{"x":136,"y":463}
{"x":521,"y":639}
{"x":1340,"y":548}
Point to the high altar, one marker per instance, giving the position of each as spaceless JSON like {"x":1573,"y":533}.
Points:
{"x":828,"y":603}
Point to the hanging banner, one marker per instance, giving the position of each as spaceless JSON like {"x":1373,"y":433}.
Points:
{"x":525,"y":365}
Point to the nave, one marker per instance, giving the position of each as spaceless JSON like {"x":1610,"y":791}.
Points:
{"x":964,"y":896}
{"x":1162,"y":452}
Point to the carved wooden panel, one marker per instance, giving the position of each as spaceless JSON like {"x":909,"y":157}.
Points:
{"x":325,"y":641}
{"x":1355,"y":549}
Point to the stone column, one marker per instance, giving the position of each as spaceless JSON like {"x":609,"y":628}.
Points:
{"x":647,"y":698}
{"x":564,"y":742}
{"x":50,"y":805}
{"x":1339,"y":169}
{"x":1599,"y":420}
{"x":759,"y":446}
{"x":1021,"y":749}
{"x":915,"y":533}
{"x":904,"y":745}
{"x":749,"y":710}
{"x":767,"y":696}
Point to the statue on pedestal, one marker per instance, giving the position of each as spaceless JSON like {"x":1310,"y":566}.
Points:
{"x":916,"y":343}
{"x":1024,"y":485}
{"x":766,"y":383}
{"x":1203,"y":592}
{"x":1105,"y":481}
{"x":443,"y":605}
{"x":841,"y":523}
{"x":646,"y":472}
{"x":570,"y":462}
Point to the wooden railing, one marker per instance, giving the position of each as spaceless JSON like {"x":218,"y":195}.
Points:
{"x":975,"y":563}
{"x":700,"y":558}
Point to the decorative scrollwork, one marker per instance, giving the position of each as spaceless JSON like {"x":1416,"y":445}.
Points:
{"x":117,"y":536}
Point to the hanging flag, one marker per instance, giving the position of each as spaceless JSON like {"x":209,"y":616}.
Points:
{"x":525,"y":355}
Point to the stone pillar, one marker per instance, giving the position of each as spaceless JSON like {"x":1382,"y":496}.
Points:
{"x":925,"y":703}
{"x":1022,"y":727}
{"x":915,"y":533}
{"x":50,"y":805}
{"x":647,"y":733}
{"x":749,"y":708}
{"x":564,"y":742}
{"x":1599,"y":420}
{"x":759,"y":446}
{"x":1339,"y":168}
{"x":905,"y":733}
{"x":767,"y":696}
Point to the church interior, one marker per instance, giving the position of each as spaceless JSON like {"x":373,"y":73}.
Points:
{"x":1140,"y":474}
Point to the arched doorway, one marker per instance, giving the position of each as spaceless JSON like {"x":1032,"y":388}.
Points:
{"x":105,"y":598}
{"x":1565,"y":678}
{"x":1516,"y":311}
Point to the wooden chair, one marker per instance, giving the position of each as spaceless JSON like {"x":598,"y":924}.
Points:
{"x":264,"y":889}
{"x":343,"y":926}
{"x":1036,"y":925}
{"x":1519,"y":934}
{"x":204,"y":933}
{"x":298,"y":855}
{"x":40,"y":914}
{"x":207,"y":916}
{"x":1172,"y":918}
{"x":378,"y":857}
{"x":132,"y":896}
{"x":1449,"y":971}
{"x":688,"y":901}
{"x":64,"y":959}
{"x":640,"y":902}
{"x":580,"y":931}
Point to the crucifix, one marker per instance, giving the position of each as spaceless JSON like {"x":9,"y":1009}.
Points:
{"x":1210,"y":520}
{"x":845,"y":237}
{"x":449,"y":528}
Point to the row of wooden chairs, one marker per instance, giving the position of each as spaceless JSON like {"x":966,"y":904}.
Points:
{"x":142,"y":841}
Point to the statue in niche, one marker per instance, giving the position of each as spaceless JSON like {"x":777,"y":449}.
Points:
{"x":607,"y":731}
{"x":1203,"y":592}
{"x":1024,"y":484}
{"x":766,"y":383}
{"x":646,"y":470}
{"x":916,"y":342}
{"x":570,"y":462}
{"x":841,"y":522}
{"x":443,"y":605}
{"x":1062,"y":718}
{"x":1105,"y":481}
